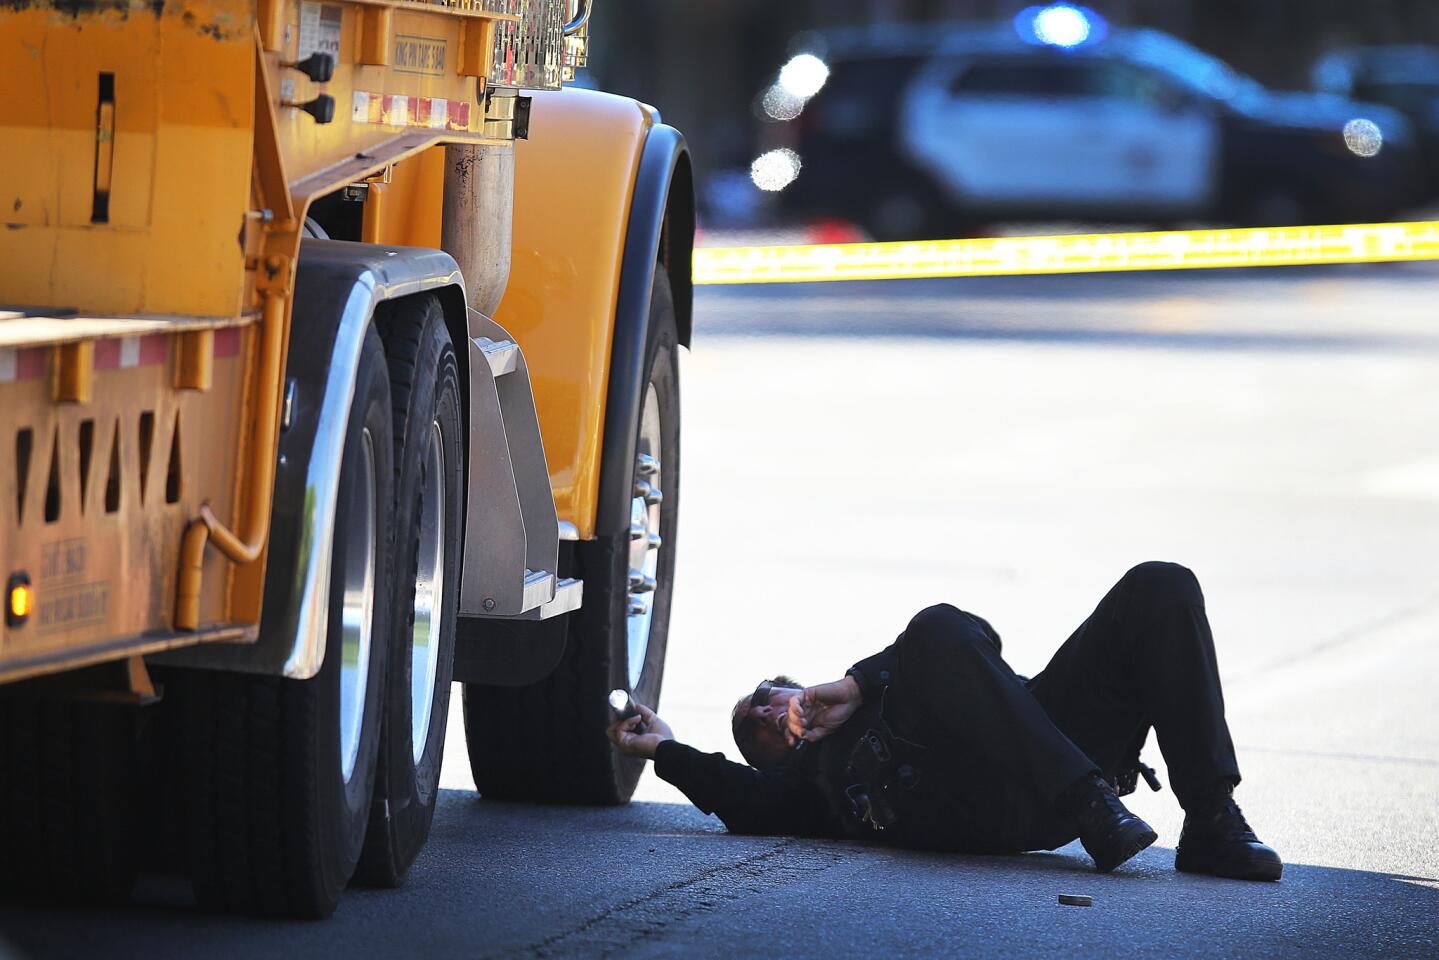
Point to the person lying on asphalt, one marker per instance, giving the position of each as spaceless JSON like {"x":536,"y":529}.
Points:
{"x":936,"y":743}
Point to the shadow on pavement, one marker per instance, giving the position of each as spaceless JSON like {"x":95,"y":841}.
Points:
{"x":1367,"y":308}
{"x":918,"y":329}
{"x":662,"y":879}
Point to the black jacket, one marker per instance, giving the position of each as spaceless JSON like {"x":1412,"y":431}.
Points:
{"x":805,"y":796}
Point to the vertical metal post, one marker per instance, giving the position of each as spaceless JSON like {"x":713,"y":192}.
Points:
{"x":477,"y":221}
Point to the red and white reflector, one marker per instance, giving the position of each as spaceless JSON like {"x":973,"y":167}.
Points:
{"x":22,"y":363}
{"x":125,"y":352}
{"x":398,"y":110}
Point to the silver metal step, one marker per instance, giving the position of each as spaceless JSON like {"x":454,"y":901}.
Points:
{"x":539,"y":589}
{"x":502,"y":355}
{"x":545,"y":596}
{"x":569,"y":594}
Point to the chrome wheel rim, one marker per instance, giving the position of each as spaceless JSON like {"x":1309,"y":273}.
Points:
{"x":645,"y":544}
{"x":429,"y":582}
{"x":357,"y":614}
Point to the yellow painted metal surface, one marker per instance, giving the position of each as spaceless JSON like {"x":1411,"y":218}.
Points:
{"x":574,"y":178}
{"x":1088,"y":253}
{"x":155,"y":168}
{"x":158,"y":162}
{"x":96,"y":490}
{"x":125,"y":195}
{"x":564,"y":275}
{"x":398,"y":68}
{"x":414,"y":201}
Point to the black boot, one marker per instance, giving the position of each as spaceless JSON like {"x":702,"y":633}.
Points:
{"x":1109,"y":832}
{"x":1217,"y":840}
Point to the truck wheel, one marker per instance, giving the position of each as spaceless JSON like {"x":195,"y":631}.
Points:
{"x":425,"y":391}
{"x":279,"y":773}
{"x":616,"y":639}
{"x":69,"y":801}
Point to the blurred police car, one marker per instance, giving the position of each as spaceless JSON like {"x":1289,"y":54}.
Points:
{"x":930,"y":131}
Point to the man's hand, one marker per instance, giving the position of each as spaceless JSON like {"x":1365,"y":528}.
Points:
{"x":819,"y":711}
{"x":642,"y":745}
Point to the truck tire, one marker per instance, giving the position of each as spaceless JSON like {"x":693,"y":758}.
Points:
{"x":565,"y":755}
{"x":425,"y":392}
{"x":278,"y":773}
{"x":69,"y":800}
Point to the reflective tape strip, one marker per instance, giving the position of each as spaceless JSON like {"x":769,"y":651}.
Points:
{"x":130,"y":352}
{"x":22,"y":363}
{"x":107,"y":354}
{"x":126,"y":352}
{"x":401,"y":110}
{"x":227,"y":342}
{"x":1085,"y":253}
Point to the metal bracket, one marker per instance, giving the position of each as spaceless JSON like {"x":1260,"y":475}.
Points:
{"x":511,"y":531}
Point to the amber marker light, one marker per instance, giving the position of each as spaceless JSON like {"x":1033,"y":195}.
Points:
{"x":19,"y":600}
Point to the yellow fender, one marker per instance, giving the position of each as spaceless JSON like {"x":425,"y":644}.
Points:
{"x":603,"y":193}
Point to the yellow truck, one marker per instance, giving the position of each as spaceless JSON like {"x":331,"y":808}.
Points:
{"x":338,"y":361}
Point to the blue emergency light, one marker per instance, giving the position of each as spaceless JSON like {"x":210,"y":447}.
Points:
{"x":1064,"y":25}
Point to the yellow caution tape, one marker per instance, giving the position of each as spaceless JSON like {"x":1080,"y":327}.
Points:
{"x":1085,"y":253}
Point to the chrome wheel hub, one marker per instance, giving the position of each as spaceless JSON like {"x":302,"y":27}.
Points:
{"x":357,"y":612}
{"x":429,"y":581}
{"x":645,"y":541}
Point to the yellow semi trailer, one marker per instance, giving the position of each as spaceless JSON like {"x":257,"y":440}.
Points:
{"x":292,"y":291}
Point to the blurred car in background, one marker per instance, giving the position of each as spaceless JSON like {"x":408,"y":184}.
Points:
{"x":934,"y":131}
{"x":1405,"y":77}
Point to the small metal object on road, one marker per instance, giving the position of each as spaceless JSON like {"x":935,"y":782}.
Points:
{"x":1076,"y":900}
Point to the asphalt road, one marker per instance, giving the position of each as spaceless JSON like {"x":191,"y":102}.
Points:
{"x":853,"y":453}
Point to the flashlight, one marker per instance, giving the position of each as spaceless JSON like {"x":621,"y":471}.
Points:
{"x":624,"y":708}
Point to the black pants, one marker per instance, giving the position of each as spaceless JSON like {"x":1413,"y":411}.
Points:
{"x":1000,"y":751}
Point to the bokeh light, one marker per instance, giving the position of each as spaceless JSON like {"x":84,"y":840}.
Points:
{"x":1363,"y":137}
{"x":775,"y":169}
{"x":803,"y":76}
{"x":779,"y":103}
